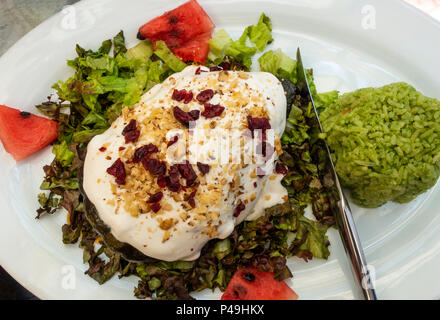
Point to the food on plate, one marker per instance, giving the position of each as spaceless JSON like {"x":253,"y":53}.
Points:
{"x":146,"y":84}
{"x":23,"y":133}
{"x":385,"y":142}
{"x":146,"y":193}
{"x":185,"y":30}
{"x":251,"y":284}
{"x":157,"y":178}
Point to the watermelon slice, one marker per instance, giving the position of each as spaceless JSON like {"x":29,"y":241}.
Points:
{"x":23,"y":133}
{"x":195,"y":50}
{"x":182,"y":29}
{"x":251,"y":284}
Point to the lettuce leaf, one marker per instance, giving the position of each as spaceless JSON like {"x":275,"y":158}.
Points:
{"x":164,"y":53}
{"x":279,"y":64}
{"x":254,"y":38}
{"x":62,"y":154}
{"x":217,"y":46}
{"x":119,"y":44}
{"x":261,"y":34}
{"x":143,"y":50}
{"x":316,"y":242}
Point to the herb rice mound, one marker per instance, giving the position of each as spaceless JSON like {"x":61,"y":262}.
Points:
{"x":386,"y":142}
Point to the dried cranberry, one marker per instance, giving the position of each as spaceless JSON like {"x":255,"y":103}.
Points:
{"x":255,"y":184}
{"x":192,"y":202}
{"x":162,"y":182}
{"x":225,"y":65}
{"x":144,"y":151}
{"x":215,"y":69}
{"x":131,"y":126}
{"x":239,"y":209}
{"x":205,"y":96}
{"x":212,"y":110}
{"x":173,"y":141}
{"x":102,"y":149}
{"x":187,"y":172}
{"x":194,"y":114}
{"x":130,"y":132}
{"x":204,"y":168}
{"x":182,"y":116}
{"x":173,"y":181}
{"x":118,"y":171}
{"x":155,"y":207}
{"x":188,"y":98}
{"x":132,"y":136}
{"x":258,"y":123}
{"x":191,"y":199}
{"x":179,"y":95}
{"x":281,"y":168}
{"x":184,"y":95}
{"x":154,"y":166}
{"x":199,"y":70}
{"x":155,"y":197}
{"x":121,"y":148}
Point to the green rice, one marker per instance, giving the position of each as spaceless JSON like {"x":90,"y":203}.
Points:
{"x":386,"y":142}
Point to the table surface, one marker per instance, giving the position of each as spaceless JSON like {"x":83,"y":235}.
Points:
{"x":18,"y":17}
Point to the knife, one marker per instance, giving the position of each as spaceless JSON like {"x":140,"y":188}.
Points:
{"x":338,"y":203}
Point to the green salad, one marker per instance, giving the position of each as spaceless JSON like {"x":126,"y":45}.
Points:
{"x":112,"y":77}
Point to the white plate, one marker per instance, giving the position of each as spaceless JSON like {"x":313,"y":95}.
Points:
{"x":402,"y":242}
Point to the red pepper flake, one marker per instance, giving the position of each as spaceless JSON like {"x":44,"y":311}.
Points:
{"x":212,"y":110}
{"x":346,"y":111}
{"x":215,"y":69}
{"x":121,"y":148}
{"x":154,"y":166}
{"x":281,"y":168}
{"x":155,"y":197}
{"x":102,"y":149}
{"x":185,"y":117}
{"x":130,"y":132}
{"x":187,"y":172}
{"x":162,"y":182}
{"x":255,"y":184}
{"x":118,"y":171}
{"x":184,"y":95}
{"x":173,"y":181}
{"x":173,"y":141}
{"x":239,"y":209}
{"x":143,"y":152}
{"x":205,"y":95}
{"x":155,"y":207}
{"x":203,"y":168}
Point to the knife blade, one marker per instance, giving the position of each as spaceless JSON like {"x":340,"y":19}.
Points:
{"x":338,"y":203}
